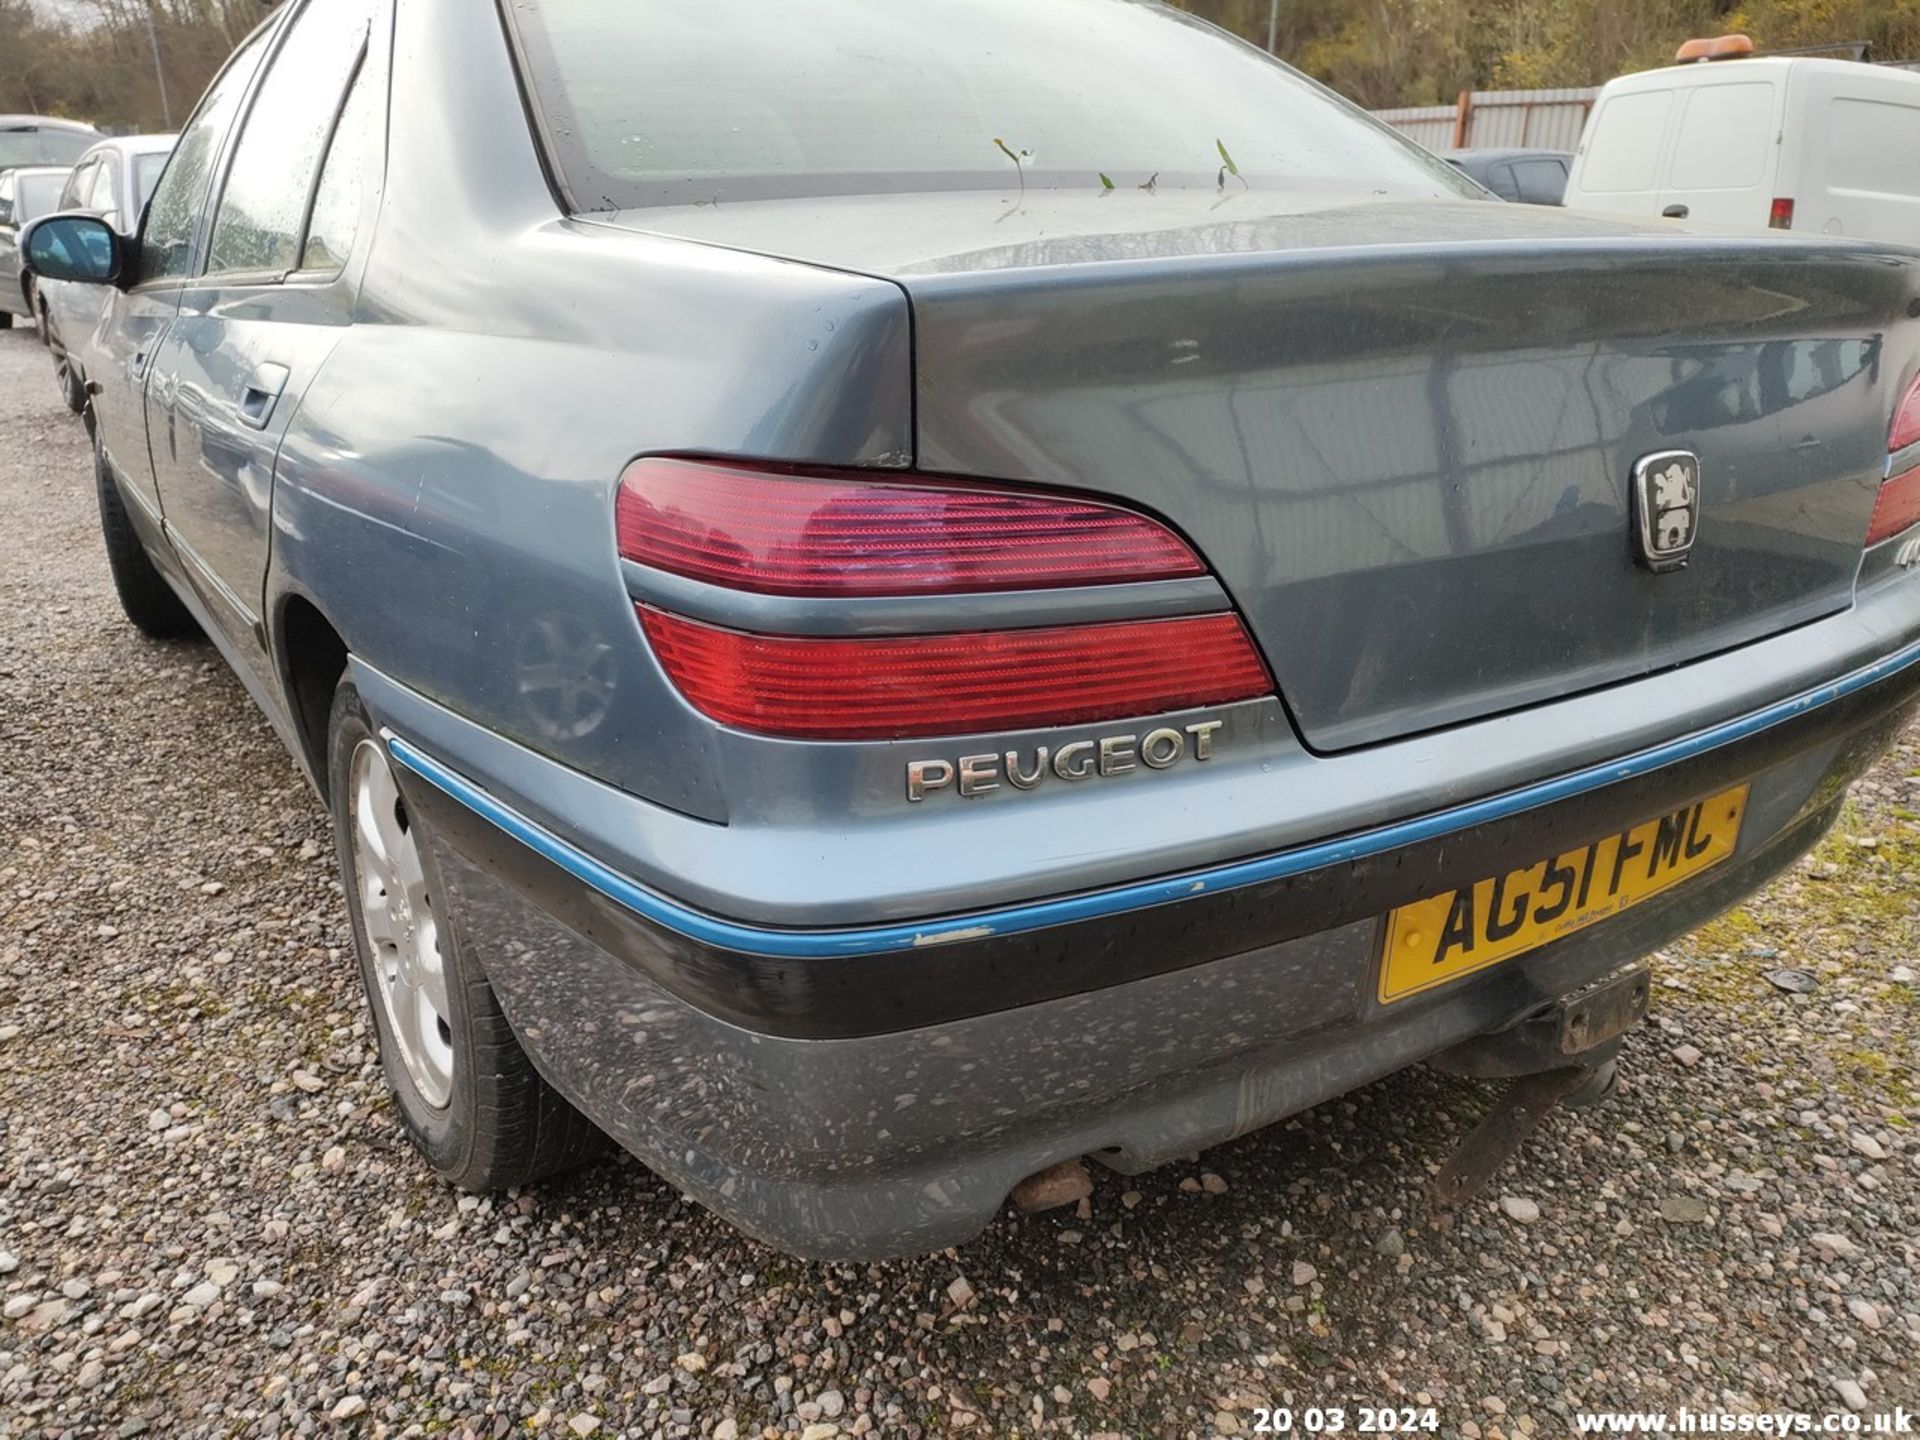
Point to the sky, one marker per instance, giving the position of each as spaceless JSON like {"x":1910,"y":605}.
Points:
{"x":60,"y":9}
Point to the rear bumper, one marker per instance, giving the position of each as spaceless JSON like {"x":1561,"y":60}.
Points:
{"x":906,"y":1143}
{"x":841,"y":983}
{"x":853,"y":1094}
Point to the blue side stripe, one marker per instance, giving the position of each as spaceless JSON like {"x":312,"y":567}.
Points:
{"x":1013,"y":919}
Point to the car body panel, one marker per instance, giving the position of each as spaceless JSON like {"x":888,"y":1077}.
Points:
{"x":1359,"y":418}
{"x":228,"y":379}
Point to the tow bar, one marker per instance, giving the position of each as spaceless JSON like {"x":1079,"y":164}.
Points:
{"x":1564,"y":1052}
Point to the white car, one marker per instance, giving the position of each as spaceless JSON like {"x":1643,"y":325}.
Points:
{"x":1749,"y":142}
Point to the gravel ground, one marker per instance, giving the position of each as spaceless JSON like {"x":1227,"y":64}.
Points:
{"x":210,"y":1223}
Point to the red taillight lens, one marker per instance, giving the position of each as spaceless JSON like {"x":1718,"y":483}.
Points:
{"x":817,"y":688}
{"x":1896,"y":508}
{"x":1906,"y":421}
{"x":796,"y":532}
{"x":1780,"y":217}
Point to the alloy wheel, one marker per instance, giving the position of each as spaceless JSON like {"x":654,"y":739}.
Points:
{"x":397,"y":911}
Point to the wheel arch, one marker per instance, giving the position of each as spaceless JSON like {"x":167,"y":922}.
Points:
{"x":311,"y":656}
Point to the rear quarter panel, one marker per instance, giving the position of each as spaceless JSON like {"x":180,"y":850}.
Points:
{"x":445,"y":493}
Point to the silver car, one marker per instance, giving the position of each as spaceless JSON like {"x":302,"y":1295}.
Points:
{"x":889,"y":597}
{"x":25,"y":195}
{"x":113,"y":180}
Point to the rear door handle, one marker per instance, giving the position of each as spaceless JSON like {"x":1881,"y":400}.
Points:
{"x":261,"y":395}
{"x":1675,"y":212}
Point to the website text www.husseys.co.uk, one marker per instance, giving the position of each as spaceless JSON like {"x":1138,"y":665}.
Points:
{"x":1730,"y":1422}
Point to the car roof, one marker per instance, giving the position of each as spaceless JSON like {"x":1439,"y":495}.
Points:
{"x":1775,"y":65}
{"x":35,"y":172}
{"x":44,"y":122}
{"x":132,"y":145}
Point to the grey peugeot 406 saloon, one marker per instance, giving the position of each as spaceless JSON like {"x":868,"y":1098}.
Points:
{"x":890,"y":597}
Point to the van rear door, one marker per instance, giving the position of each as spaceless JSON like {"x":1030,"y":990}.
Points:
{"x":1725,"y":151}
{"x":1624,"y":151}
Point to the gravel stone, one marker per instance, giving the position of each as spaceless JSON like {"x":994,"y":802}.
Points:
{"x":1520,"y":1209}
{"x":1684,"y":1210}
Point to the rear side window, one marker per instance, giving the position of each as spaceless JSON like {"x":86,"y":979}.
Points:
{"x":1873,"y":147}
{"x":697,"y":101}
{"x":1725,"y":137}
{"x":257,"y":226}
{"x":100,"y":196}
{"x":1541,"y":182}
{"x":1500,"y":180}
{"x":336,"y":204}
{"x":74,"y":197}
{"x":147,"y":170}
{"x":1623,"y":150}
{"x":30,"y":145}
{"x":166,"y":241}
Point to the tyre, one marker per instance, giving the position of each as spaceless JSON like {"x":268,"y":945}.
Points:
{"x":72,"y":388}
{"x":145,"y":597}
{"x":6,"y":319}
{"x":469,"y":1099}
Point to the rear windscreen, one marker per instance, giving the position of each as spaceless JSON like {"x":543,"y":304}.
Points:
{"x":40,"y":194}
{"x":43,"y":147}
{"x":665,"y":101}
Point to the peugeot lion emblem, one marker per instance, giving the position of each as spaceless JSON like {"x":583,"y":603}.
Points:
{"x":1666,"y":508}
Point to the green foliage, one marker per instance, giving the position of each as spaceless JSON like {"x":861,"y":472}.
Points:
{"x":99,"y":64}
{"x":1425,"y":52}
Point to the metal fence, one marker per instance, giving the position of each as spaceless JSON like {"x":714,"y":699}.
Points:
{"x":1490,"y":119}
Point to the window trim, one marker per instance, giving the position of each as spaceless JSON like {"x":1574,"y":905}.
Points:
{"x":196,"y":236}
{"x":320,"y":174}
{"x":259,"y":278}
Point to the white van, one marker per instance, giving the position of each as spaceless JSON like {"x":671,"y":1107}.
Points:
{"x":1829,"y":146}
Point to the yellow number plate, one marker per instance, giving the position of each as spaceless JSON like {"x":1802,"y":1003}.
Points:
{"x":1446,"y":936}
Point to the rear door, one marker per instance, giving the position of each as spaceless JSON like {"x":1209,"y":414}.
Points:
{"x":1726,"y":146}
{"x":1623,"y":153}
{"x":117,"y":356}
{"x":268,"y":307}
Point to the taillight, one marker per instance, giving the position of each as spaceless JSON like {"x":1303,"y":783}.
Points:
{"x":1906,"y":421}
{"x":815,"y":533}
{"x":1897,"y":506}
{"x":1780,"y":216}
{"x":862,"y":688}
{"x":811,"y":532}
